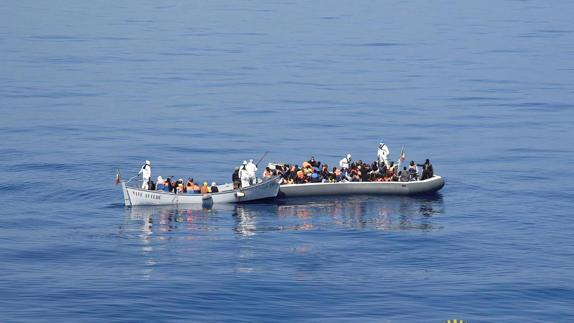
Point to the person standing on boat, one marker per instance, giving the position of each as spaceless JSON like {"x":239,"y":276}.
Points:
{"x":345,"y":162}
{"x":236,"y":179}
{"x":145,"y":171}
{"x":383,"y":154}
{"x":251,"y":170}
{"x":244,"y":175}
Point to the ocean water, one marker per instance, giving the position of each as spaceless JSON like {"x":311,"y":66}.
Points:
{"x":485,"y":89}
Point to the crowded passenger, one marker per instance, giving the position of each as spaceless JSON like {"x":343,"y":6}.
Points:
{"x":311,"y":171}
{"x":267,"y":172}
{"x":352,"y":171}
{"x":214,"y":188}
{"x":205,"y":189}
{"x":427,"y":170}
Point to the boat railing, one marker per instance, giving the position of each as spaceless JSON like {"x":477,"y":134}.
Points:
{"x":137,"y":182}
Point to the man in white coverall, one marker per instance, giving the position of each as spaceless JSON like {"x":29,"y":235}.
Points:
{"x":251,"y":170}
{"x":345,"y":162}
{"x":145,"y":171}
{"x":244,"y":174}
{"x":383,"y":154}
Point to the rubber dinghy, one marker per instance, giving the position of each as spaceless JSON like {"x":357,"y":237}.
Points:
{"x":268,"y":188}
{"x":426,"y":186}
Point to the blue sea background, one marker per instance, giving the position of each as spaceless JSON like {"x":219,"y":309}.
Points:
{"x":485,"y":89}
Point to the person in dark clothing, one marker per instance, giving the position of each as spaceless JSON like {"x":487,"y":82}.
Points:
{"x":404,"y":175}
{"x":235,"y":178}
{"x":428,"y":171}
{"x":312,"y":161}
{"x":214,"y":188}
{"x":168,"y":184}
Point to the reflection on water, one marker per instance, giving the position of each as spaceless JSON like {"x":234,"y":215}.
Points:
{"x":332,"y":213}
{"x":157,"y":227}
{"x":377,"y":213}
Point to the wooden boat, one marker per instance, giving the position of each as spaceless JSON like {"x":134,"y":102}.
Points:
{"x":268,"y":188}
{"x":426,"y":186}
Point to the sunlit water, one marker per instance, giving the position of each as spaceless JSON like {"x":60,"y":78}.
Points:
{"x":484,"y":89}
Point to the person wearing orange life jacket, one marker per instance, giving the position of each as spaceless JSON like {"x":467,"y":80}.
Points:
{"x":205,"y":189}
{"x":301,"y":177}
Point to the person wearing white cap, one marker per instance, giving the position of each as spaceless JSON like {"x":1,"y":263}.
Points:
{"x":383,"y":154}
{"x":252,"y":171}
{"x":160,"y":184}
{"x":345,"y":162}
{"x":214,"y":188}
{"x":145,"y":171}
{"x":244,"y":174}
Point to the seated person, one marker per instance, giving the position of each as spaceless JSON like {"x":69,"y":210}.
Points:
{"x":413,"y":171}
{"x":301,"y":177}
{"x":427,"y":170}
{"x":404,"y":175}
{"x":314,"y":178}
{"x":168,"y":185}
{"x":189,"y":185}
{"x":267,"y":172}
{"x":179,"y":186}
{"x":390,"y":175}
{"x":214,"y":188}
{"x":204,"y":189}
{"x":337,"y":175}
{"x":160,"y":185}
{"x":195,"y":189}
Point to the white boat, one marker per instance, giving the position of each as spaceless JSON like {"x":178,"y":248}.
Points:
{"x":268,"y":188}
{"x":426,"y":186}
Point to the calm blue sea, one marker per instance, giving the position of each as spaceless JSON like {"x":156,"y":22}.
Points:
{"x":485,"y":89}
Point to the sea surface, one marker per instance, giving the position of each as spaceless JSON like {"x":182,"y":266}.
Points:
{"x":485,"y":89}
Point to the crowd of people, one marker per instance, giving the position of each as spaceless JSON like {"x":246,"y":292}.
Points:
{"x":313,"y":171}
{"x":173,"y":186}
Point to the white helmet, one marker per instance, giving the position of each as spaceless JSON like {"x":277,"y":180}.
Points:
{"x":381,"y":144}
{"x":147,"y":162}
{"x":349,"y":156}
{"x":244,"y":162}
{"x":251,"y":160}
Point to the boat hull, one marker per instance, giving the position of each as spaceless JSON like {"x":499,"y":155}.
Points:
{"x":427,"y":186}
{"x":136,"y":196}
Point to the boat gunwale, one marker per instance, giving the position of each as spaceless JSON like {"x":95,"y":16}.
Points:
{"x":250,"y":187}
{"x":434,"y":178}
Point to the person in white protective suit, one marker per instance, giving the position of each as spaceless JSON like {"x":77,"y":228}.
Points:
{"x":145,"y":171}
{"x":383,"y":154}
{"x":252,"y":171}
{"x":345,"y":162}
{"x":244,"y":174}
